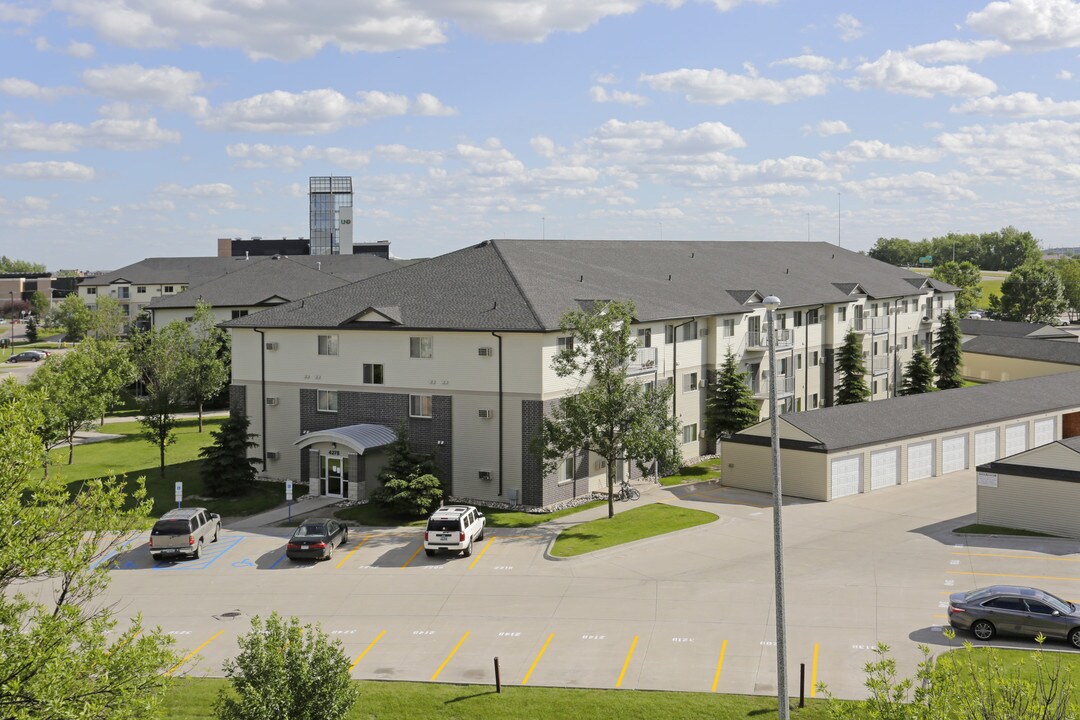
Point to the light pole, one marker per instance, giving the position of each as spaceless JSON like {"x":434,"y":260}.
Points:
{"x":11,"y":295}
{"x":783,"y":699}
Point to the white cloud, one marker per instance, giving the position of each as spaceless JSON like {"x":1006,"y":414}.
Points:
{"x":945,"y":51}
{"x":1064,"y":75}
{"x":33,"y":202}
{"x":601,"y":94}
{"x":825,"y":128}
{"x":108,"y":133}
{"x":168,"y":86}
{"x":49,"y":170}
{"x":207,"y":190}
{"x":18,"y":87}
{"x":1021,"y":104}
{"x":1036,"y":24}
{"x":867,"y":150}
{"x":428,"y":104}
{"x":896,"y":73}
{"x":291,"y":158}
{"x":815,"y":63}
{"x":644,"y":136}
{"x":850,"y":28}
{"x":1034,"y":150}
{"x":74,"y":48}
{"x":718,"y":87}
{"x":12,"y":13}
{"x":913,"y":186}
{"x":406,"y":155}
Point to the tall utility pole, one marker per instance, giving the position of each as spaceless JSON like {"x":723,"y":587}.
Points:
{"x":837,"y":219}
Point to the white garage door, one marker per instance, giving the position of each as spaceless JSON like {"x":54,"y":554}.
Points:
{"x":1045,"y":431}
{"x":953,"y":454}
{"x":920,"y":461}
{"x":1015,"y":439}
{"x":846,"y":474}
{"x":986,"y":446}
{"x":883,"y":468}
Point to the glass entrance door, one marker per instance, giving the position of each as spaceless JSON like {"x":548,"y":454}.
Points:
{"x":332,"y":478}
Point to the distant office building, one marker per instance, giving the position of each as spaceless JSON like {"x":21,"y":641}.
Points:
{"x":262,"y":247}
{"x":330,"y":200}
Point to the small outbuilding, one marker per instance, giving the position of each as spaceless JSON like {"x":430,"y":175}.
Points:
{"x":1036,"y":490}
{"x":999,"y":358}
{"x":848,"y":449}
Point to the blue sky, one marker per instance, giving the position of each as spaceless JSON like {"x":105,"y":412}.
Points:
{"x":138,"y":128}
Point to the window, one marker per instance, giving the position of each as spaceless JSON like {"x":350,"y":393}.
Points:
{"x":91,"y":291}
{"x":798,"y":404}
{"x":373,"y":374}
{"x":168,"y":288}
{"x":813,"y":401}
{"x":689,"y":433}
{"x":904,"y":341}
{"x":669,"y":334}
{"x":904,"y":306}
{"x":729,"y":327}
{"x":796,"y":319}
{"x":183,"y":288}
{"x":812,"y":317}
{"x":123,"y":293}
{"x":644,"y":337}
{"x":239,"y":313}
{"x":689,"y":382}
{"x":1004,"y":603}
{"x":781,"y":321}
{"x":689,"y":331}
{"x":328,"y":344}
{"x":814,"y":359}
{"x":841,"y":314}
{"x":564,"y":343}
{"x":327,"y":400}
{"x":568,"y":469}
{"x":798,"y":361}
{"x":420,"y":347}
{"x":420,"y":406}
{"x":1039,"y":608}
{"x":875,"y":387}
{"x":140,"y":289}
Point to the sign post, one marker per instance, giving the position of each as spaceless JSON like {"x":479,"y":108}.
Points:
{"x":288,"y":496}
{"x":179,"y":493}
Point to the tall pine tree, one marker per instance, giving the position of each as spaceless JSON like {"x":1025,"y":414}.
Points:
{"x":729,"y":406}
{"x":852,"y":388}
{"x":947,"y":354}
{"x":918,"y":375}
{"x":227,"y":470}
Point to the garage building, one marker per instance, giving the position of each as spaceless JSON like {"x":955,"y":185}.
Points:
{"x":844,"y":450}
{"x":1037,"y":490}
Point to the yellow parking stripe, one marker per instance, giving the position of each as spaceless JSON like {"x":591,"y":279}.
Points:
{"x":346,"y":558}
{"x":413,"y":556}
{"x":537,"y":659}
{"x":193,"y":653}
{"x":449,"y":657}
{"x":813,"y":673}
{"x":1026,"y":577}
{"x":485,"y":549}
{"x":626,"y":663}
{"x":719,"y":665}
{"x":366,"y":650}
{"x":1019,"y":557}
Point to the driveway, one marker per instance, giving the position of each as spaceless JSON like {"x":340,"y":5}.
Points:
{"x":690,"y":611}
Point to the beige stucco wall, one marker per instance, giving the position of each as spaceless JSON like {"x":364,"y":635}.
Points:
{"x":999,"y":369}
{"x":1040,"y":505}
{"x":749,"y":467}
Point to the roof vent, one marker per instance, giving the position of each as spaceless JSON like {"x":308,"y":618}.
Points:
{"x":669,"y":278}
{"x":318,"y":264}
{"x":691,"y":254}
{"x":581,"y":279}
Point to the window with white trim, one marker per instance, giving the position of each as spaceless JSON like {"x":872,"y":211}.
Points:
{"x":567,"y":469}
{"x":669,"y":334}
{"x":841,"y":314}
{"x":420,"y":406}
{"x":373,"y":374}
{"x":813,"y":401}
{"x":729,"y":327}
{"x":690,"y":382}
{"x":168,"y":288}
{"x":689,"y":331}
{"x":812,"y":317}
{"x":328,"y":344}
{"x":796,"y":319}
{"x":644,"y":337}
{"x":564,"y":343}
{"x":814,"y":358}
{"x":141,"y":289}
{"x":689,"y":433}
{"x":420,"y":347}
{"x":327,"y":400}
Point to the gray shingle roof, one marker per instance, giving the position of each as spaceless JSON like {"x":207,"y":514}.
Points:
{"x":529,"y":284}
{"x":288,"y":278}
{"x":1001,"y":328}
{"x":870,"y":423}
{"x":178,"y":270}
{"x":1025,"y":348}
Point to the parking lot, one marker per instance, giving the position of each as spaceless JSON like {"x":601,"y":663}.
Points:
{"x":690,"y":611}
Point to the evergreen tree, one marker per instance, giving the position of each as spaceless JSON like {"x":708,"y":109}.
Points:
{"x":227,"y":470}
{"x":31,"y":329}
{"x":729,"y":406}
{"x":852,"y":388}
{"x":947,"y":354}
{"x":402,"y":462}
{"x":407,"y":483}
{"x":918,"y":375}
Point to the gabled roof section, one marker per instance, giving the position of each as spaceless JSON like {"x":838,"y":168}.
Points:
{"x":273,"y":300}
{"x":746,"y":297}
{"x":383,"y":314}
{"x":922,"y":283}
{"x":850,"y":288}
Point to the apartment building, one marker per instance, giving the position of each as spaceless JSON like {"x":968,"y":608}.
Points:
{"x":458,"y":349}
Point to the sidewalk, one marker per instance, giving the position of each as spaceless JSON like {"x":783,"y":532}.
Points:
{"x":281,"y":514}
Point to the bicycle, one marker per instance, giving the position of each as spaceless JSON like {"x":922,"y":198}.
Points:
{"x":627,"y":493}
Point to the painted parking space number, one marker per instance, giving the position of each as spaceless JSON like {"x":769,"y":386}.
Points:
{"x":423,"y":632}
{"x":593,"y":637}
{"x":509,"y":634}
{"x":682,"y":640}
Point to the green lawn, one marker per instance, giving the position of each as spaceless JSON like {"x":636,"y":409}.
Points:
{"x":132,"y":456}
{"x":375,"y":515}
{"x":977,"y":529}
{"x":704,"y":470}
{"x":193,"y":699}
{"x":1020,"y":661}
{"x":627,"y":526}
{"x":989,"y":286}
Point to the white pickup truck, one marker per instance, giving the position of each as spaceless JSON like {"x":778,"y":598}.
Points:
{"x":184,"y":531}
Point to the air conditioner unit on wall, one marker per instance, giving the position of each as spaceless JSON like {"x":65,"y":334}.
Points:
{"x":271,"y":401}
{"x":487,"y":414}
{"x":485,"y":352}
{"x":272,"y":454}
{"x":271,"y":346}
{"x":485,"y":474}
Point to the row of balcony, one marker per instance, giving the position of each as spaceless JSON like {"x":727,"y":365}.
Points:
{"x":785,"y":386}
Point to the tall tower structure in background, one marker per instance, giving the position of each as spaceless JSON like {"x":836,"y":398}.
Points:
{"x":327,"y":196}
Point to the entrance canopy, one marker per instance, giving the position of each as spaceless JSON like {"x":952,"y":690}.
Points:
{"x":359,"y":438}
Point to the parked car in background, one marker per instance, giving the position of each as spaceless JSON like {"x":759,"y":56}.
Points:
{"x":28,"y":356}
{"x":454,"y":528}
{"x":316,"y":539}
{"x":976,"y":315}
{"x":1014,"y":610}
{"x":184,"y":531}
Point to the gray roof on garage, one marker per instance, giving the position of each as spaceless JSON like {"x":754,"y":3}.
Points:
{"x":1001,"y":328}
{"x":871,"y":423}
{"x":1068,"y":471}
{"x":530,"y":284}
{"x":1059,"y":351}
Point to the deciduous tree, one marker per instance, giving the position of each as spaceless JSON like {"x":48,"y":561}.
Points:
{"x":39,"y":304}
{"x":73,"y":316}
{"x":209,"y":353}
{"x":109,"y":318}
{"x":1032,"y":293}
{"x":968,"y":278}
{"x":162,"y":359}
{"x":852,"y":370}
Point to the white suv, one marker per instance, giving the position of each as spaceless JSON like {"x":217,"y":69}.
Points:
{"x":454,"y":527}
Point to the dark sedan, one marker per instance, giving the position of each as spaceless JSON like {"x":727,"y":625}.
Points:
{"x":28,"y":356}
{"x":1012,"y":610}
{"x":316,"y":539}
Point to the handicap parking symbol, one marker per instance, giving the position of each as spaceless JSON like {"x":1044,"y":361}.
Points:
{"x":243,"y":563}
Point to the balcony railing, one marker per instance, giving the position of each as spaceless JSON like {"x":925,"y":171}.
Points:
{"x":932,"y":314}
{"x":879,"y":365}
{"x":874,"y":325}
{"x":644,"y":361}
{"x":760,"y":340}
{"x":784,"y":387}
